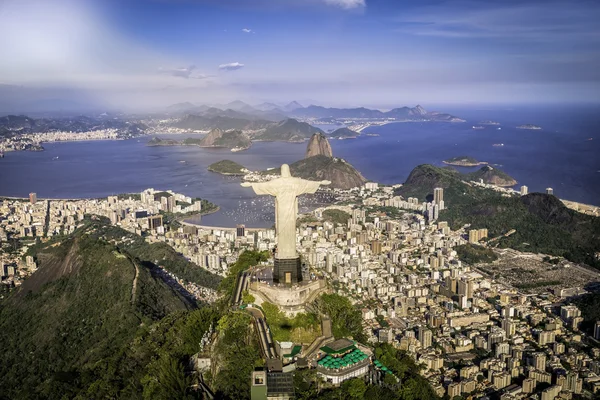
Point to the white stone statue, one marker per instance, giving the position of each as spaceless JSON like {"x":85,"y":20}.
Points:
{"x":286,"y":191}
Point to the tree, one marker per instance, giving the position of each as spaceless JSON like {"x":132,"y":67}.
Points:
{"x":167,"y":380}
{"x":355,"y":388}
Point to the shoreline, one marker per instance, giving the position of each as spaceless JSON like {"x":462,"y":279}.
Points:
{"x":459,"y":164}
{"x":200,"y":214}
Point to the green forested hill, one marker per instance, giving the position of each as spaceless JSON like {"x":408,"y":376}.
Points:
{"x":62,"y":329}
{"x":542,"y":223}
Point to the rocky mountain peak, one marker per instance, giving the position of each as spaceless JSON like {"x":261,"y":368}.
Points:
{"x":419,"y":110}
{"x":318,"y":146}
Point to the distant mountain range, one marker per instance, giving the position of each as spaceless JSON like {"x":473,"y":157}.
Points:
{"x":266,"y":121}
{"x":417,"y":113}
{"x":269,"y":122}
{"x":294,"y":109}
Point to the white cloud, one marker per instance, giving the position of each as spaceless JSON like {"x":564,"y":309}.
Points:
{"x":231,"y":66}
{"x":347,"y":4}
{"x":247,"y":30}
{"x":179,"y":72}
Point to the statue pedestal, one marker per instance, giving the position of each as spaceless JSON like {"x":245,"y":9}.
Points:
{"x":291,"y":300}
{"x":287,"y":271}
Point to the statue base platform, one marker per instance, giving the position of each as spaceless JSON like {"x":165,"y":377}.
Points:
{"x":291,"y":300}
{"x":287,"y":271}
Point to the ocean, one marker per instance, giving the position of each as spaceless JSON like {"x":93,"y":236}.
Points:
{"x":564,"y":155}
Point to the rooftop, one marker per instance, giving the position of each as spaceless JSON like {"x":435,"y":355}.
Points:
{"x":338,"y":347}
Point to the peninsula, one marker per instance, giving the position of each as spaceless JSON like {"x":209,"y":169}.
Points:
{"x":464,"y":161}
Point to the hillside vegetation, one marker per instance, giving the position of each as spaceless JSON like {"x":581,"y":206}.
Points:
{"x":65,"y":325}
{"x":542,"y":223}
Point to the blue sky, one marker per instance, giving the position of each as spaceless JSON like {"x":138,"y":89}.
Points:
{"x":378,"y":53}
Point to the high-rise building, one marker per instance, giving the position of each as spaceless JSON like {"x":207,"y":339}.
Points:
{"x":425,"y":337}
{"x":465,"y":288}
{"x":475,"y":235}
{"x":240,"y":230}
{"x":549,"y":191}
{"x":529,"y":385}
{"x":155,"y":221}
{"x":509,"y":326}
{"x":551,"y":393}
{"x":539,"y":361}
{"x":32,"y":198}
{"x":597,"y":330}
{"x":454,"y":389}
{"x":376,"y":246}
{"x":524,"y":190}
{"x":438,"y":195}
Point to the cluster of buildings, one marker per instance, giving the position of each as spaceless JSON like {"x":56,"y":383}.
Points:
{"x":33,"y":141}
{"x":143,"y":214}
{"x":473,"y":334}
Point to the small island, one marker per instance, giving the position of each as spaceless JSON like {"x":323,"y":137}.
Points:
{"x":227,"y":167}
{"x":488,"y":122}
{"x":529,"y":126}
{"x":464,"y":161}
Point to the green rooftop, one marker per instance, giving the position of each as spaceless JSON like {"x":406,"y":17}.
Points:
{"x":353,"y":357}
{"x":340,"y":346}
{"x":295,"y":350}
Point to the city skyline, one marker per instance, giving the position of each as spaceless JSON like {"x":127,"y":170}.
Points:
{"x":137,"y":55}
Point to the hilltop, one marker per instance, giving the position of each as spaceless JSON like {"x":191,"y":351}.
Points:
{"x":319,"y":164}
{"x":542,"y":223}
{"x":492,"y":176}
{"x":318,"y":145}
{"x":289,"y":130}
{"x":229,"y":139}
{"x":317,"y":168}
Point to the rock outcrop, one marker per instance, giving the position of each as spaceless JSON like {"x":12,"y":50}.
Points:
{"x":318,"y":146}
{"x":492,"y":176}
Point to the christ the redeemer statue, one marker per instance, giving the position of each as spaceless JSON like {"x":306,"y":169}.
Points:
{"x":286,"y":191}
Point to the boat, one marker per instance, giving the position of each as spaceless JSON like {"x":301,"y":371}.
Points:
{"x":478,"y":127}
{"x":55,"y":158}
{"x":498,"y":144}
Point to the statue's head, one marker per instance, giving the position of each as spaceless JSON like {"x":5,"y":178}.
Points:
{"x":285,"y":171}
